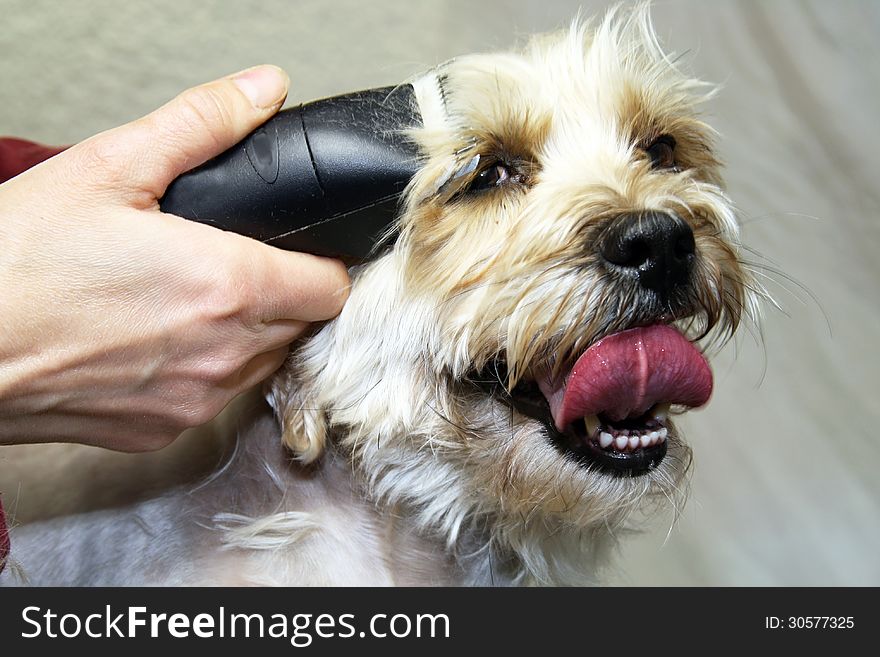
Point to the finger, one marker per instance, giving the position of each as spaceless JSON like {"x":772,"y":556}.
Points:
{"x":292,"y":285}
{"x":193,"y":127}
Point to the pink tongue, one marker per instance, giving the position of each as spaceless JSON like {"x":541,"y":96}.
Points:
{"x":625,"y":374}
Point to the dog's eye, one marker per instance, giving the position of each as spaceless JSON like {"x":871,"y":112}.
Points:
{"x":492,"y":176}
{"x":662,"y":152}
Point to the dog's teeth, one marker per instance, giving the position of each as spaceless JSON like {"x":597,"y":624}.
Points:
{"x":592,"y":422}
{"x":628,"y":439}
{"x":661,"y":412}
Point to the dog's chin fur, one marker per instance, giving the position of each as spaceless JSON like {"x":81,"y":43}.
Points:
{"x":385,"y":400}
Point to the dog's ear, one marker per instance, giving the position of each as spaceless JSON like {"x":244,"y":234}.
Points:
{"x":304,"y":425}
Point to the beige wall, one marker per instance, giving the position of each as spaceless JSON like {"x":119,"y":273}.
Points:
{"x":785,"y":489}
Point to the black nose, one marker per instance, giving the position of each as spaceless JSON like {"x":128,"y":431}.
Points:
{"x":655,"y":246}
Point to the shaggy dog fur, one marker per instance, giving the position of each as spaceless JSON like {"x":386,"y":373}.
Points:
{"x":416,"y":459}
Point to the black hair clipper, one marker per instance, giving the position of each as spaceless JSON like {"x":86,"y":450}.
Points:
{"x":324,"y":177}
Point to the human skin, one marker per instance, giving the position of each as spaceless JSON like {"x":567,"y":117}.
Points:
{"x":122,"y":326}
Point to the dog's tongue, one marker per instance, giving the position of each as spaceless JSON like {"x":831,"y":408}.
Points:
{"x":625,"y":374}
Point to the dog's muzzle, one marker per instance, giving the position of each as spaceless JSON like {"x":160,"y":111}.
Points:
{"x":654,"y":247}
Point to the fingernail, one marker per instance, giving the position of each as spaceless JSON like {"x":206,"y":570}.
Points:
{"x":265,"y":86}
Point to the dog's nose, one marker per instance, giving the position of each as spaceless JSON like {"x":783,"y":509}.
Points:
{"x":657,"y":247}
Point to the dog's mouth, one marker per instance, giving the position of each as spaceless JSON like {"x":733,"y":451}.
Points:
{"x":630,"y":446}
{"x":611,"y":408}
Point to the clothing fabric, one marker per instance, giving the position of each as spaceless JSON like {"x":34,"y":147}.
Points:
{"x":17,"y":155}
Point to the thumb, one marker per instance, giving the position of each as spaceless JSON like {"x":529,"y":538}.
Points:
{"x":200,"y":123}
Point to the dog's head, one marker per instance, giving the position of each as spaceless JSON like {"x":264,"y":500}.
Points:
{"x":508,"y":367}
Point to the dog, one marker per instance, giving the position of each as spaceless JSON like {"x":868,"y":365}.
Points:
{"x":493,"y":405}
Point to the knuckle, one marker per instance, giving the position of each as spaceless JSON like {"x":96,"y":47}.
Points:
{"x":238,"y":292}
{"x":223,"y":287}
{"x":205,"y":108}
{"x":104,"y":159}
{"x":240,"y":285}
{"x":219,"y":370}
{"x":230,"y":303}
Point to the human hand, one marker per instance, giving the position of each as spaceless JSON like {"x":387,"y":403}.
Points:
{"x":122,"y":326}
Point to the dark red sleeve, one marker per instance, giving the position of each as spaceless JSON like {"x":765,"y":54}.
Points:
{"x":17,"y":155}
